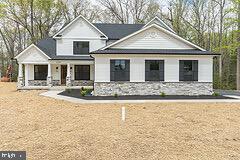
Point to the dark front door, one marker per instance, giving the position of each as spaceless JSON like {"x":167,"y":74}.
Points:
{"x":63,"y":74}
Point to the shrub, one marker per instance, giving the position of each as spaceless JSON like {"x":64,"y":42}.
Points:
{"x":83,"y":93}
{"x":216,"y":94}
{"x":88,"y":91}
{"x":162,"y":94}
{"x":115,"y":95}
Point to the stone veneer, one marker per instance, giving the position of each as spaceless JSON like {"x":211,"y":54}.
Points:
{"x":37,"y":82}
{"x":152,"y":88}
{"x":81,"y":83}
{"x":42,"y":82}
{"x":56,"y":83}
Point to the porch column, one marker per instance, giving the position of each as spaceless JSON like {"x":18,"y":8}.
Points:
{"x":20,"y":76}
{"x":68,"y":78}
{"x":49,"y":77}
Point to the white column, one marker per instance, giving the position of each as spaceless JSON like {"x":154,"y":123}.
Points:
{"x":49,"y":77}
{"x":20,"y":70}
{"x":20,"y":76}
{"x":26,"y":74}
{"x":68,"y":78}
{"x":68,"y":70}
{"x":49,"y":70}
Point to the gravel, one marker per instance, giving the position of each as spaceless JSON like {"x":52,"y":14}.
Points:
{"x":50,"y":129}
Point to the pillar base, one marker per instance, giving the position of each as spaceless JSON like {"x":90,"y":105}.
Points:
{"x":68,"y":82}
{"x":20,"y":82}
{"x":49,"y":81}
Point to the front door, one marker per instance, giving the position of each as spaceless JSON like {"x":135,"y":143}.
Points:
{"x":63,"y":74}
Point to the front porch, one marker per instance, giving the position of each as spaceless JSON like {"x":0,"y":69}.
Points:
{"x":56,"y":75}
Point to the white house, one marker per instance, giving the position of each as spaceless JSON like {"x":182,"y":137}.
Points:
{"x":123,"y":59}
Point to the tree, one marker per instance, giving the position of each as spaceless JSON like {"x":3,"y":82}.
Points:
{"x":135,"y":11}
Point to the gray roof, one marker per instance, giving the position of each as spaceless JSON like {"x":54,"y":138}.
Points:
{"x":114,"y":32}
{"x":155,"y":51}
{"x":48,"y":46}
{"x":118,"y":31}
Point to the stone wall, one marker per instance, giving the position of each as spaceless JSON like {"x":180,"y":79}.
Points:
{"x":81,"y":83}
{"x":43,"y":82}
{"x":152,"y":88}
{"x":56,"y":82}
{"x":37,"y":82}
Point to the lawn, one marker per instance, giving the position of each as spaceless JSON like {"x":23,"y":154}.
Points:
{"x":52,"y":129}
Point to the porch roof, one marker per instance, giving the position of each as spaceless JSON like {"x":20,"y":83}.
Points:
{"x":155,"y":51}
{"x":48,"y":46}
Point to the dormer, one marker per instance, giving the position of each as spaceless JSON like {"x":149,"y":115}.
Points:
{"x":79,"y":37}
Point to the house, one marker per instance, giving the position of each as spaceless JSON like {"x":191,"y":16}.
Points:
{"x":123,"y":59}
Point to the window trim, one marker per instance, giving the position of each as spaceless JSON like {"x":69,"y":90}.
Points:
{"x":182,"y":71}
{"x":81,"y":72}
{"x":161,"y":69}
{"x":34,"y":71}
{"x":127,"y":70}
{"x":79,"y":54}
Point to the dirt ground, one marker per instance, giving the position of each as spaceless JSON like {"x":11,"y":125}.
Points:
{"x":50,"y":129}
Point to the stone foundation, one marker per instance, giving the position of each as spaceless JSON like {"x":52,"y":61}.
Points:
{"x":20,"y":82}
{"x":37,"y":82}
{"x":81,"y":83}
{"x":56,"y":83}
{"x":152,"y":88}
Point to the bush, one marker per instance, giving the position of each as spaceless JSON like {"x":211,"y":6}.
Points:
{"x":88,"y":91}
{"x":216,"y":94}
{"x":115,"y":95}
{"x":162,"y":94}
{"x":83,"y":93}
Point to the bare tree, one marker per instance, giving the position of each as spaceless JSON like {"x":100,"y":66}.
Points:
{"x":238,"y":49}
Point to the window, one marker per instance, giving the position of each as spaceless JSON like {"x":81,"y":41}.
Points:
{"x":188,"y":70}
{"x":80,"y":48}
{"x":120,"y":70}
{"x":40,"y":72}
{"x":82,"y":72}
{"x":154,"y":70}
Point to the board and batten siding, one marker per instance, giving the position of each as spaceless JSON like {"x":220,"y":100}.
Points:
{"x":65,"y":46}
{"x":33,"y":55}
{"x":152,"y":38}
{"x":137,"y":68}
{"x":79,"y":31}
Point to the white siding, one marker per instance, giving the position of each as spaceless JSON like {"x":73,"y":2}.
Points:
{"x":152,"y":38}
{"x":102,"y":70}
{"x":137,"y":67}
{"x":79,"y":31}
{"x":65,"y":46}
{"x":33,"y":55}
{"x":171,"y":70}
{"x":205,"y":70}
{"x":80,"y":28}
{"x":56,"y":73}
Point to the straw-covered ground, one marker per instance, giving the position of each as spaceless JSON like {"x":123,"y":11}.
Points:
{"x":50,"y":129}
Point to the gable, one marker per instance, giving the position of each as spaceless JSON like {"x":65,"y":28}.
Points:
{"x":80,"y":28}
{"x":159,"y":22}
{"x":152,"y":38}
{"x":32,"y":55}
